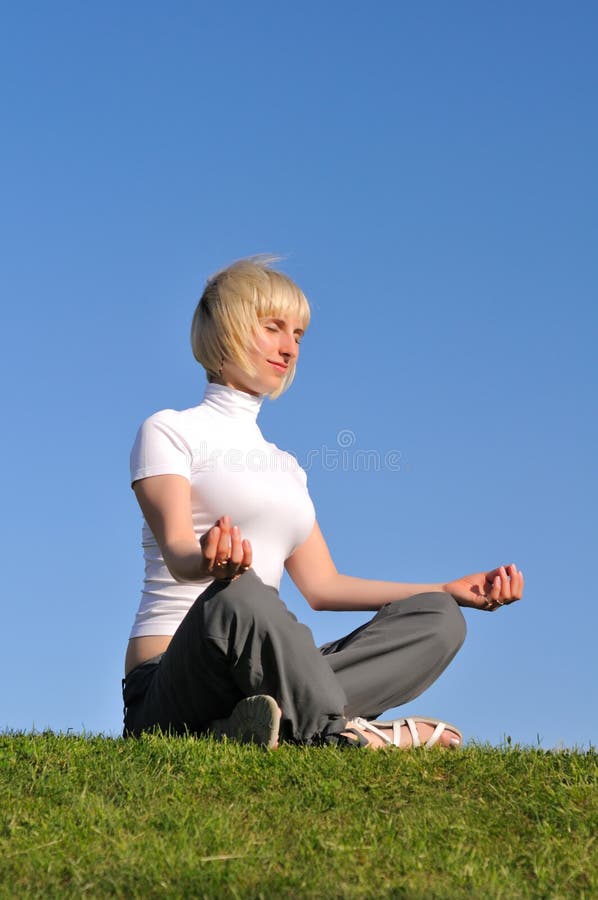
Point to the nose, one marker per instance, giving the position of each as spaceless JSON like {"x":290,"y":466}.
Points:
{"x":288,"y":345}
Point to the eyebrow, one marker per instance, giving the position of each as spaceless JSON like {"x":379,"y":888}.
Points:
{"x":282,"y":322}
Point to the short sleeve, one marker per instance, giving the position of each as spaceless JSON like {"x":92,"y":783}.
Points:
{"x":160,"y":448}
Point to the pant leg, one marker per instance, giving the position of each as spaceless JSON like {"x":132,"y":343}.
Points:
{"x":398,"y":654}
{"x":237,"y":640}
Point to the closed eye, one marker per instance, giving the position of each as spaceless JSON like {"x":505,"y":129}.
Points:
{"x":273,"y":326}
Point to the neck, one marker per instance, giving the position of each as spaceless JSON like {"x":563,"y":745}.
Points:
{"x":232,"y":386}
{"x":231,"y":402}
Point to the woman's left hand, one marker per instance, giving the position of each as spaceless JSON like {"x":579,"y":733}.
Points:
{"x":488,"y":590}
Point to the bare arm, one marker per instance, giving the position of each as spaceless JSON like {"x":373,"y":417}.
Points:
{"x":312,"y":569}
{"x":165,"y":502}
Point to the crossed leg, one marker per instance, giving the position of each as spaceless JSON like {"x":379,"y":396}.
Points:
{"x":393,"y":658}
{"x":239,"y":640}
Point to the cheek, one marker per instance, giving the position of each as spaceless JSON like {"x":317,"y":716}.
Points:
{"x":260,"y":344}
{"x":263,"y":343}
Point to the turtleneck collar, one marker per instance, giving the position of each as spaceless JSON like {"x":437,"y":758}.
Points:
{"x":231,"y":402}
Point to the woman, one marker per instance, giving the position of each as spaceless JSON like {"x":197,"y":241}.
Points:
{"x":213,"y":647}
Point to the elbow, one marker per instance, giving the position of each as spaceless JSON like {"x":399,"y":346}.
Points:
{"x":316,"y":603}
{"x":175,"y":570}
{"x":320,"y":598}
{"x":183,"y":563}
{"x":177,"y":576}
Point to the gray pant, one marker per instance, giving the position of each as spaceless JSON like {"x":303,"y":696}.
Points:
{"x":239,"y":639}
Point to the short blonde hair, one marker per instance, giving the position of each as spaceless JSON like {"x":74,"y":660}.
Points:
{"x":228,"y":314}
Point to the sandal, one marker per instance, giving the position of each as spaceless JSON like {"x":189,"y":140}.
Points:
{"x":411,"y":722}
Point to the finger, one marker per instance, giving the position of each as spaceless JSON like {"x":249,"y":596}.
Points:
{"x":246,"y":559}
{"x":224,"y":542}
{"x":236,"y":552}
{"x":517,"y":587}
{"x":491,"y":575}
{"x":500,"y":570}
{"x":247,"y":554}
{"x":505,"y":592}
{"x":496,"y":586}
{"x":515,"y":583}
{"x":225,"y":523}
{"x":209,"y":542}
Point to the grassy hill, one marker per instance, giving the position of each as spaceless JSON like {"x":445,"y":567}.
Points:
{"x":173,"y":817}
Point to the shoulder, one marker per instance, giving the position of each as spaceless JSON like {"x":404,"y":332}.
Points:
{"x":163,"y":416}
{"x":163,"y":445}
{"x":169,"y":416}
{"x":175,"y":420}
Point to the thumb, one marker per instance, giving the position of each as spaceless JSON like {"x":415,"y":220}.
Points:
{"x":211,"y":535}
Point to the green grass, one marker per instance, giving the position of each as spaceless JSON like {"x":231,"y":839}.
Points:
{"x":172,"y":817}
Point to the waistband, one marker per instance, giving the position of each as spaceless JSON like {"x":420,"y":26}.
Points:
{"x":154,"y":661}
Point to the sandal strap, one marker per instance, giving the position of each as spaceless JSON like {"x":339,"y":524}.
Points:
{"x":397,"y":724}
{"x":367,"y":726}
{"x":410,"y":723}
{"x":436,"y":735}
{"x":395,"y":741}
{"x":360,"y":739}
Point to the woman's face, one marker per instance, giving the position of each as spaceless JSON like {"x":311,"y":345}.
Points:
{"x":275,"y":351}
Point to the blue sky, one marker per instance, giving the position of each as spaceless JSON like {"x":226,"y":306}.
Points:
{"x":428,"y":172}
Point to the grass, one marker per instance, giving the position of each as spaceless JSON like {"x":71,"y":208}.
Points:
{"x":174,"y":817}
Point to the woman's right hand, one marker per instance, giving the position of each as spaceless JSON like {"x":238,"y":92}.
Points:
{"x":225,"y":554}
{"x":165,"y":502}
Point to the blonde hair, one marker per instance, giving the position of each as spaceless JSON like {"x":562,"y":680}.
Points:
{"x":228,"y":314}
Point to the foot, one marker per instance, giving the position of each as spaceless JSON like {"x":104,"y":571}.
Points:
{"x":255,"y":720}
{"x":398,"y":733}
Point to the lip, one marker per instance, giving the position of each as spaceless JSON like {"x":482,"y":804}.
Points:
{"x":280,"y":366}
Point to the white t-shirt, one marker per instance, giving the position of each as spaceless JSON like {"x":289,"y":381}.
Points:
{"x":233,"y":470}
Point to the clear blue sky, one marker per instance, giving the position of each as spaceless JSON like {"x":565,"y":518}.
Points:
{"x":429,"y":172}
